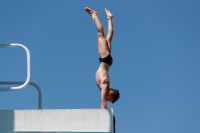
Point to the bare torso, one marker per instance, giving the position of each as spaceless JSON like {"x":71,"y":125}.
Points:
{"x":102,"y":74}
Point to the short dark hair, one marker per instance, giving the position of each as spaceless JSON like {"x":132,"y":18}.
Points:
{"x":115,"y":95}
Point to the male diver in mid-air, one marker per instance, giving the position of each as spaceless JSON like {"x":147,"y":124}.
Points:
{"x":104,"y":49}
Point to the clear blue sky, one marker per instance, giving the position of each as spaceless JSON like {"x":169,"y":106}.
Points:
{"x":156,"y":52}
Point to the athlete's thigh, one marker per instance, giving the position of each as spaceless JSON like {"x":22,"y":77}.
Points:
{"x":103,"y":47}
{"x":109,"y":45}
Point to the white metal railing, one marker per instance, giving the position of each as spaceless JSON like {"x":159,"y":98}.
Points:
{"x":16,"y":45}
{"x":31,"y":83}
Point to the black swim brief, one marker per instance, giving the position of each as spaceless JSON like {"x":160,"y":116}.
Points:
{"x":108,"y":60}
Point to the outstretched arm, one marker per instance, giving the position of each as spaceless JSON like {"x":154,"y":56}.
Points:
{"x":104,"y":89}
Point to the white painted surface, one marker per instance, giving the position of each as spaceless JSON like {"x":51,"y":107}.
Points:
{"x":59,"y":120}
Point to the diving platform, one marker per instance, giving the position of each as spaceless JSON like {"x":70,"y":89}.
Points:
{"x":57,"y":120}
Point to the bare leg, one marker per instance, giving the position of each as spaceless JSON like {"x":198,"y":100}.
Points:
{"x":110,"y":28}
{"x":103,"y":47}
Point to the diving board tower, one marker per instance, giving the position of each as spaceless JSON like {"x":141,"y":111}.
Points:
{"x":51,"y":120}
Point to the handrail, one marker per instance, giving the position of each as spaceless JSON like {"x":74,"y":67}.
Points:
{"x":14,"y":45}
{"x":30,"y":83}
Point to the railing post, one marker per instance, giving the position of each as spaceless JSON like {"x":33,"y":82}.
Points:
{"x":14,"y":45}
{"x":31,"y":83}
